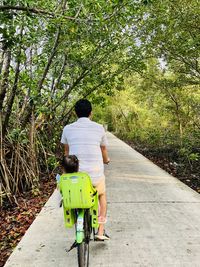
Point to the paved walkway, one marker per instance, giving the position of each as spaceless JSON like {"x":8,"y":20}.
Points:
{"x":153,"y":220}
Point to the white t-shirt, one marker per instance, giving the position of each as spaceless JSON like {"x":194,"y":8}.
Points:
{"x":84,"y":138}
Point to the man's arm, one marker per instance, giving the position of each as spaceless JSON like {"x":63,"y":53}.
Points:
{"x":66,"y":150}
{"x":104,"y":152}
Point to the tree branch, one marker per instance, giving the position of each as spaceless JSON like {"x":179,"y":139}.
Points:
{"x":56,"y":84}
{"x":32,"y":10}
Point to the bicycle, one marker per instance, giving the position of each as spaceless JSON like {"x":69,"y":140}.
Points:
{"x":80,"y":206}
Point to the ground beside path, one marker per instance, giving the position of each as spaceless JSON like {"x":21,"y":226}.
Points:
{"x":153,"y":220}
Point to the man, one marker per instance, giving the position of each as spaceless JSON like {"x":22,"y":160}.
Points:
{"x":87,"y":140}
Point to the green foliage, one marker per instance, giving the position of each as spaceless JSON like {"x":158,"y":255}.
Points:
{"x":52,"y":162}
{"x":156,"y":110}
{"x":168,"y":29}
{"x":18,"y":136}
{"x":194,"y":156}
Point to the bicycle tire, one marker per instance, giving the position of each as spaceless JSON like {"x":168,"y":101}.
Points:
{"x":87,"y":233}
{"x":83,"y":248}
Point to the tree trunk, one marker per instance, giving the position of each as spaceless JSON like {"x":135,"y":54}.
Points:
{"x":12,"y":95}
{"x":53,"y":52}
{"x":5,"y":75}
{"x":2,"y":57}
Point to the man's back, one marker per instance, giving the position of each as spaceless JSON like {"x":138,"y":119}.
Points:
{"x":84,"y":138}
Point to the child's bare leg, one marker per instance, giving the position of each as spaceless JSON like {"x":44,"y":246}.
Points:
{"x":103,"y":209}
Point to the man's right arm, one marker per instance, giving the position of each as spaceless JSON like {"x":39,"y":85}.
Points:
{"x":66,"y":149}
{"x":64,"y":141}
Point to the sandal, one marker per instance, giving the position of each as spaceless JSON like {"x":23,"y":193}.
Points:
{"x":101,"y":237}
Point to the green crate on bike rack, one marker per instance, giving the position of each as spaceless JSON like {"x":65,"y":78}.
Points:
{"x":78,"y":193}
{"x":77,"y":190}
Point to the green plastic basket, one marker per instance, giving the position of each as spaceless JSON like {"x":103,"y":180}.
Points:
{"x":78,"y":193}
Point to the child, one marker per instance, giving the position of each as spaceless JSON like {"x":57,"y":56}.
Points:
{"x":70,"y":164}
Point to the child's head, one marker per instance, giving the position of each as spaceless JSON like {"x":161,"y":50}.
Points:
{"x":70,"y":164}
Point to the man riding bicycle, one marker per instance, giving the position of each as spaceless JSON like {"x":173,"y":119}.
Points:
{"x":87,"y":140}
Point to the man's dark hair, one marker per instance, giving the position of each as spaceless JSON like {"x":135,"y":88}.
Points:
{"x":70,"y":164}
{"x":83,"y":108}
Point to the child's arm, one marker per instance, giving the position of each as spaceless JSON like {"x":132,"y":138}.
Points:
{"x":104,"y":152}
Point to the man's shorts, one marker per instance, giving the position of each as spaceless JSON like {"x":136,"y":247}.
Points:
{"x":101,"y":187}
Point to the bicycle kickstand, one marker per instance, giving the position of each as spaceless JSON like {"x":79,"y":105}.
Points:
{"x":74,"y":245}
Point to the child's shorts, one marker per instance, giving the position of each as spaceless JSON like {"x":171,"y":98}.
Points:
{"x":101,"y":187}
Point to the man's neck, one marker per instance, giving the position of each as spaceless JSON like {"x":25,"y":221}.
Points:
{"x":84,"y":118}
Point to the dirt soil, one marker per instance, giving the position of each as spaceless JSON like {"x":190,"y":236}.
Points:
{"x":15,"y":220}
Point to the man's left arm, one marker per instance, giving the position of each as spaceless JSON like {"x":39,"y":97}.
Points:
{"x":103,"y":146}
{"x":104,"y":152}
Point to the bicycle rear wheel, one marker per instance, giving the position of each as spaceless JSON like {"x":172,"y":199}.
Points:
{"x":83,"y":248}
{"x":83,"y":254}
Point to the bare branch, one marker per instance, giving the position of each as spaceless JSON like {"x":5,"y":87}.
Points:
{"x":32,"y":10}
{"x":79,"y":10}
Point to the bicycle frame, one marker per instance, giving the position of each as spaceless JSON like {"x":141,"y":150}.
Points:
{"x":83,"y":224}
{"x":79,"y":226}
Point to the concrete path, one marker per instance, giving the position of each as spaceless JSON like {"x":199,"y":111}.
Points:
{"x":153,"y":220}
